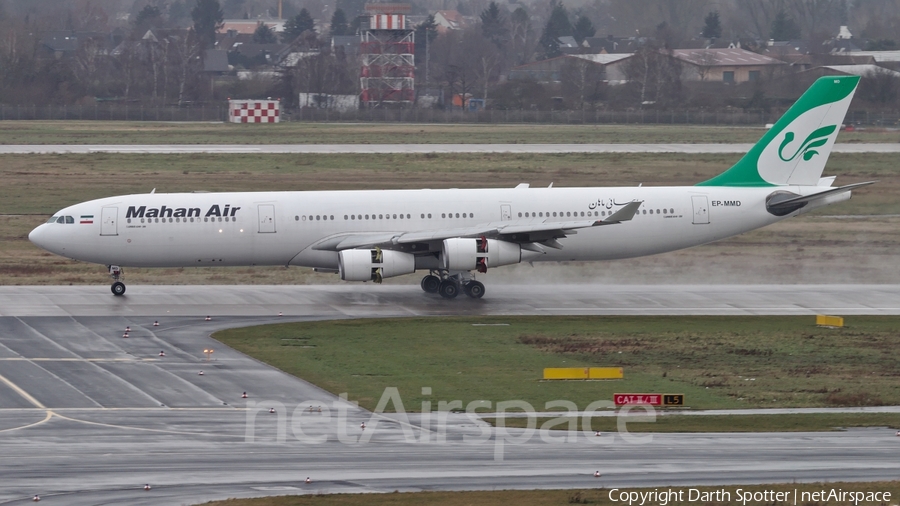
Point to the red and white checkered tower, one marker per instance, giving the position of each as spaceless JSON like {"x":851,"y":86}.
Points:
{"x":387,"y":75}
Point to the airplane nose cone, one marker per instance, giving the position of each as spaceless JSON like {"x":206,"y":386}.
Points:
{"x":38,"y":237}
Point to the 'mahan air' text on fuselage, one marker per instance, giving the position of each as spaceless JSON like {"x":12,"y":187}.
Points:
{"x":180,"y":212}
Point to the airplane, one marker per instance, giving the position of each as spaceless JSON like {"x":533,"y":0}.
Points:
{"x":455,"y":234}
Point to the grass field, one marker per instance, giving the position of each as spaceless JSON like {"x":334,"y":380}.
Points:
{"x":864,"y":248}
{"x":107,"y":132}
{"x":813,"y":422}
{"x":599,"y":496}
{"x":717,"y":362}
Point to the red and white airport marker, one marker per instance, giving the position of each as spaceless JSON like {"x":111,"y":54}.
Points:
{"x":156,"y":323}
{"x":162,"y":353}
{"x":208,"y":318}
{"x":244,"y":395}
{"x":147,"y":487}
{"x":201,"y":373}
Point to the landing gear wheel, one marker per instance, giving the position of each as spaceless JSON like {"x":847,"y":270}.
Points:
{"x":431,"y":283}
{"x":448,"y":289}
{"x":118,"y":288}
{"x":474,"y":289}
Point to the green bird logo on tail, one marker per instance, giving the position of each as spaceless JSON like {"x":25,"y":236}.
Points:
{"x":815,"y":139}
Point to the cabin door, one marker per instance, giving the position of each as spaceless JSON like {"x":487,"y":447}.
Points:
{"x":266,"y":219}
{"x":109,"y":216}
{"x":701,"y":209}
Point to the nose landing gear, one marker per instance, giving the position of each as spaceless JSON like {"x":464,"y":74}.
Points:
{"x":118,"y":287}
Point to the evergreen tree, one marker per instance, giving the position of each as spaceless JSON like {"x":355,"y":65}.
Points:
{"x":207,"y":16}
{"x":148,"y":17}
{"x":339,"y":25}
{"x":427,"y":28}
{"x":493,"y":25}
{"x":426,"y":32}
{"x":521,"y":35}
{"x":296,"y":25}
{"x":784,"y":27}
{"x":557,"y":26}
{"x":712,"y":28}
{"x":264,"y":35}
{"x":583,"y":29}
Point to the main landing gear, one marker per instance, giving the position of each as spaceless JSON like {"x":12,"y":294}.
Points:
{"x":449,"y":286}
{"x":118,"y":287}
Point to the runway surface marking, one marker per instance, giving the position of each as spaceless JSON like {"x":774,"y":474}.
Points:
{"x":143,"y":429}
{"x":21,"y":392}
{"x":35,"y":424}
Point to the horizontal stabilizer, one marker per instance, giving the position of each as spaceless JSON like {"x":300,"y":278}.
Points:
{"x":783,"y":203}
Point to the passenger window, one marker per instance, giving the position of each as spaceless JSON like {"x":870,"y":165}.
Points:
{"x":429,"y":216}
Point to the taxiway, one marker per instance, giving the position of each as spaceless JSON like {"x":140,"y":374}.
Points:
{"x":88,"y":416}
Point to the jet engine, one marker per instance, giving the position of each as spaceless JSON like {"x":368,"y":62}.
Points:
{"x":465,"y":254}
{"x":374,"y":264}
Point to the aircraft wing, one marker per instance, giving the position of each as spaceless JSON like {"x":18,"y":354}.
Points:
{"x":522,"y":231}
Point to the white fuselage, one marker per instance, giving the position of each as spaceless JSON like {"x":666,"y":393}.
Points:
{"x":281,"y":228}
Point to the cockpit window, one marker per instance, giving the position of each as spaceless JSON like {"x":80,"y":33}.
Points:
{"x":61,"y":219}
{"x":70,"y":219}
{"x":53,"y":219}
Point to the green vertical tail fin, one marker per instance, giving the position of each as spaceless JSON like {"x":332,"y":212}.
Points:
{"x":794,"y":151}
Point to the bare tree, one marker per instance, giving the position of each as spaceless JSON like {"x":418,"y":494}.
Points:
{"x":654,"y":74}
{"x":88,"y":62}
{"x":581,"y":80}
{"x":819,"y":17}
{"x":761,"y":13}
{"x":705,"y":61}
{"x":187,"y":49}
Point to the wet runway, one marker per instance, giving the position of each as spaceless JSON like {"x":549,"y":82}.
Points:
{"x":367,"y":300}
{"x":88,"y":416}
{"x":413,"y":148}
